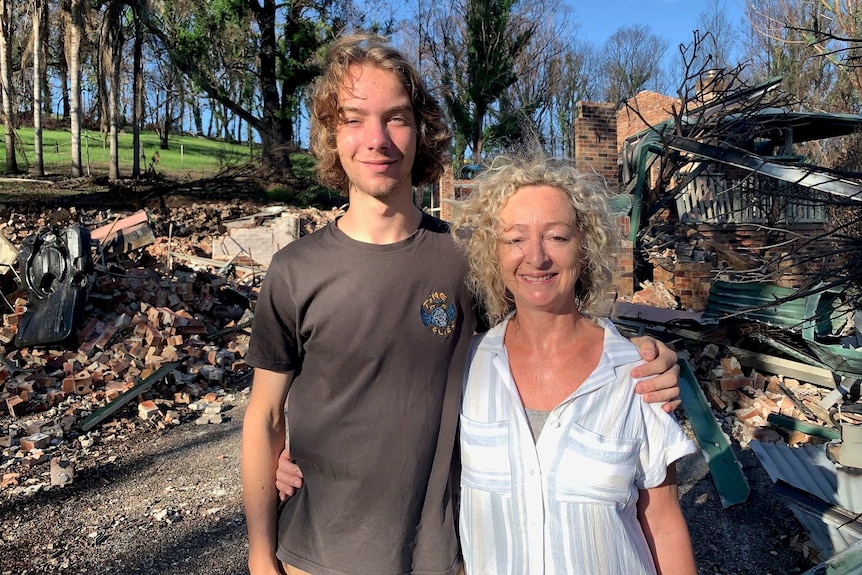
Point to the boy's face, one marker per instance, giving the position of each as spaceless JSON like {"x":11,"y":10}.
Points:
{"x":376,"y":135}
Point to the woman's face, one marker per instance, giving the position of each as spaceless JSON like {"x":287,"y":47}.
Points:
{"x":539,"y":249}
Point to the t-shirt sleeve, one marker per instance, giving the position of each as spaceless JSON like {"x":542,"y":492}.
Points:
{"x":274,"y":343}
{"x":664,"y":442}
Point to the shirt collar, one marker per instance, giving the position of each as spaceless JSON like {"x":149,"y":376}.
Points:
{"x":614,"y":354}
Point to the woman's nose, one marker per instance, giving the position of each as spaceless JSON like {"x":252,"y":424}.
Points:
{"x":535,"y":253}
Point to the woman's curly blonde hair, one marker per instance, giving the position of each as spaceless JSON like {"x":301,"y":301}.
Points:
{"x":477,"y":229}
{"x":433,"y":136}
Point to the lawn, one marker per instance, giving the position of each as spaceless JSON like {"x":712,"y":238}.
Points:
{"x":188,"y":158}
{"x":187,"y":155}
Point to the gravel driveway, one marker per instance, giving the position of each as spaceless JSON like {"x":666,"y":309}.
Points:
{"x":169,"y":502}
{"x":161,"y":502}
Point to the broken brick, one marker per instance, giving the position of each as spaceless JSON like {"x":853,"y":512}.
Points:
{"x":11,"y":403}
{"x":62,"y":472}
{"x":36,"y":441}
{"x":147,"y":409}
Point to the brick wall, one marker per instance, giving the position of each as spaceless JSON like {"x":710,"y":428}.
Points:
{"x":691,"y":283}
{"x":807,"y":252}
{"x":660,"y":274}
{"x":652,"y":107}
{"x":624,"y":283}
{"x":596,"y":141}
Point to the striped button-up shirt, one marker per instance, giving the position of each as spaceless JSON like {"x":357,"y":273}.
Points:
{"x":565,"y":504}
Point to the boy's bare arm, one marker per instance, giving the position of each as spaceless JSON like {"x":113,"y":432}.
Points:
{"x":262,"y":441}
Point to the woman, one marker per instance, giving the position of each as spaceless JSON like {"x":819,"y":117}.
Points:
{"x":564,"y":469}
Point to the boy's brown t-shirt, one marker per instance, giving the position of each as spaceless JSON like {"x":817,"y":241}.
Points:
{"x":378,"y":337}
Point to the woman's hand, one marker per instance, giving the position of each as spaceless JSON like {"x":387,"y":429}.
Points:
{"x":288,"y":476}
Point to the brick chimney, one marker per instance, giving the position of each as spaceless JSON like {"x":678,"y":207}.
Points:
{"x":596,"y":141}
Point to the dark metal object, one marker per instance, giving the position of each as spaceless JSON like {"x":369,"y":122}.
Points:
{"x":54,"y":266}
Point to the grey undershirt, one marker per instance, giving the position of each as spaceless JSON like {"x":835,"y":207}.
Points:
{"x":537,"y":420}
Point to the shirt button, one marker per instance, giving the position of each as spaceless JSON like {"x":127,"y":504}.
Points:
{"x":555,"y":424}
{"x":532,"y":472}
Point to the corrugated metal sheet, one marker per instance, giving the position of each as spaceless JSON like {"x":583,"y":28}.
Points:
{"x":809,"y":176}
{"x":755,"y":302}
{"x":809,"y":468}
{"x":815,"y":316}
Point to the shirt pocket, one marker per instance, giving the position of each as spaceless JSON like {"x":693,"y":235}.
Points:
{"x":597,"y":469}
{"x":485,"y":456}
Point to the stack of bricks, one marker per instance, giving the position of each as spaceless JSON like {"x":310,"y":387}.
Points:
{"x":691,"y":282}
{"x":751,"y":397}
{"x":660,"y":274}
{"x":596,"y":141}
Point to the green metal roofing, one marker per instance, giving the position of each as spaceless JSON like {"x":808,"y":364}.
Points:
{"x":759,"y":302}
{"x":841,"y":359}
{"x":814,"y":314}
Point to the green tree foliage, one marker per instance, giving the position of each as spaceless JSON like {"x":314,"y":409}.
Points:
{"x":475,"y":45}
{"x":255,"y":58}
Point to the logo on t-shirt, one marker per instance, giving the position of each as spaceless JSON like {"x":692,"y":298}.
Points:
{"x":438,"y":314}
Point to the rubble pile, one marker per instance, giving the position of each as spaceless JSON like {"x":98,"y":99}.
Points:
{"x":766,"y":407}
{"x":655,"y":295}
{"x":161,"y":341}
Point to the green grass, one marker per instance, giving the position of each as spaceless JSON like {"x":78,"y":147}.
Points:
{"x":186,"y":156}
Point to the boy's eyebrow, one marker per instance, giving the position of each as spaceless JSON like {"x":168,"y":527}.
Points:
{"x":363,"y":111}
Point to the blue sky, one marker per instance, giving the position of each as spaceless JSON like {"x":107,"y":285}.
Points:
{"x":673,"y":20}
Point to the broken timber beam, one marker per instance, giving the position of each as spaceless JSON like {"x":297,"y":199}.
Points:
{"x":216,"y":263}
{"x":796,"y":370}
{"x":736,"y":260}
